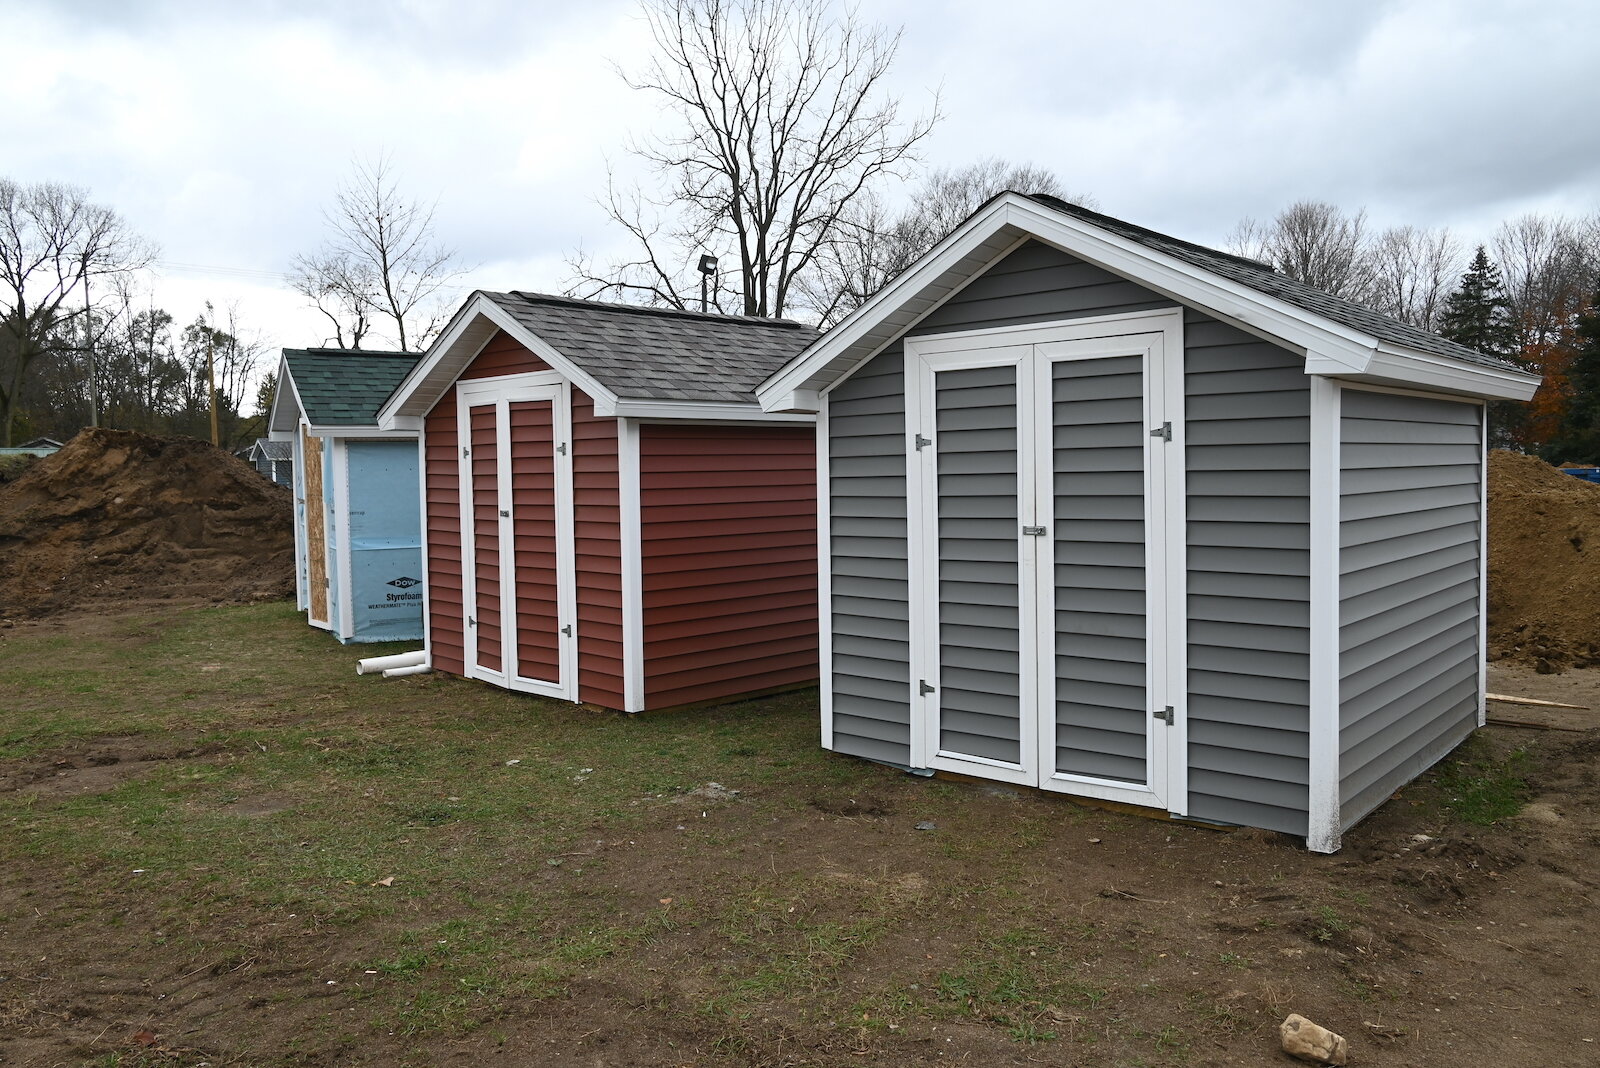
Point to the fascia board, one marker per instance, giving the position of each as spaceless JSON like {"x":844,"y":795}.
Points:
{"x":727,"y":411}
{"x":798,"y":378}
{"x":412,"y":384}
{"x":1451,"y":376}
{"x":358,"y":430}
{"x":290,"y":420}
{"x":604,"y":399}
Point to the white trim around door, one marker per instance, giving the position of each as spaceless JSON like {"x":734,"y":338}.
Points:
{"x":1035,"y":351}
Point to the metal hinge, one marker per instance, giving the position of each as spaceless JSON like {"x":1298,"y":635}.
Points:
{"x":923,"y":688}
{"x":567,"y":630}
{"x":1164,"y":432}
{"x":1165,"y":715}
{"x":562,"y":448}
{"x":465,"y":452}
{"x":471,"y":622}
{"x":506,"y":512}
{"x":1035,"y":532}
{"x":922,"y":442}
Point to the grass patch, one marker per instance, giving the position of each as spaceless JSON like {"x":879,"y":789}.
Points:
{"x":1483,"y":789}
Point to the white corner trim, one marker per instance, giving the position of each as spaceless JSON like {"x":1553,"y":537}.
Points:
{"x":632,"y":564}
{"x":824,"y":576}
{"x":422,"y":519}
{"x":1483,"y":570}
{"x":1323,"y":768}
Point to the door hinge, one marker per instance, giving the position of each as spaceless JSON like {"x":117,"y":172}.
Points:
{"x":1165,"y":715}
{"x":923,"y":688}
{"x":471,"y":622}
{"x":1035,"y":532}
{"x":567,"y":630}
{"x":465,"y":452}
{"x":922,"y":442}
{"x":562,"y":448}
{"x":1164,"y":432}
{"x":506,"y":512}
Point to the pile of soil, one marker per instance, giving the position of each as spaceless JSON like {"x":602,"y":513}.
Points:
{"x":118,"y":516}
{"x":1544,"y":564}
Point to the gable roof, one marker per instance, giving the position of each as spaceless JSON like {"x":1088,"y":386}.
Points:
{"x":1267,"y":279}
{"x":617,"y":353}
{"x":344,"y":387}
{"x":267,"y":449}
{"x":1336,"y":337}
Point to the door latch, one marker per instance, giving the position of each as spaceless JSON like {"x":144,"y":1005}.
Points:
{"x":567,"y":630}
{"x":1035,"y":532}
{"x":506,"y":512}
{"x":1164,"y":432}
{"x":922,"y":442}
{"x":1165,"y":715}
{"x":562,"y":448}
{"x":923,"y":688}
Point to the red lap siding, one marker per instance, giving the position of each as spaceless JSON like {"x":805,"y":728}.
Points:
{"x":728,"y":519}
{"x":533,"y":511}
{"x":486,"y":534}
{"x":442,"y":479}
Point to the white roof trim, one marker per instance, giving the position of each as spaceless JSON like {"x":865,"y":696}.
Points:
{"x":274,"y":424}
{"x":438,"y":370}
{"x":1331,"y":348}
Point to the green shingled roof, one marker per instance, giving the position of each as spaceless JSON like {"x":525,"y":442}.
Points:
{"x":345,"y":387}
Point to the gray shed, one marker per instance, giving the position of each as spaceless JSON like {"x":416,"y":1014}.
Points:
{"x":1112,"y":514}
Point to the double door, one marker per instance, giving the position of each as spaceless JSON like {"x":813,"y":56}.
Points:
{"x":1045,"y":485}
{"x":518,"y":581}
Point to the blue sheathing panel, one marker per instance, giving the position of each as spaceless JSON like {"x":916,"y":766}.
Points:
{"x":383,"y":529}
{"x":336,"y":535}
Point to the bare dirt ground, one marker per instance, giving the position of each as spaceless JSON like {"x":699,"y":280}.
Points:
{"x":192,"y":865}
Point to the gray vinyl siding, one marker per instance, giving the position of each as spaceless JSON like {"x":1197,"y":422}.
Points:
{"x":1248,"y":408}
{"x":1102,"y":710}
{"x":867,"y":532}
{"x":1410,"y":485}
{"x":979,"y":628}
{"x":1247,"y":469}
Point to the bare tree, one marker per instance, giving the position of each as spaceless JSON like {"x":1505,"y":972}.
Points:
{"x":1312,"y":241}
{"x":872,"y":246}
{"x":1550,"y":266}
{"x":54,"y":244}
{"x":780,"y":123}
{"x":381,"y":271}
{"x":1412,"y":272}
{"x":236,"y":354}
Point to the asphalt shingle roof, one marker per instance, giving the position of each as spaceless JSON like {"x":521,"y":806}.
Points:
{"x":274,"y":450}
{"x":346,"y":387}
{"x":1264,"y":279}
{"x":660,"y":353}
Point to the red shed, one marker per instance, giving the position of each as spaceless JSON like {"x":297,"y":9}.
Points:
{"x":609,"y":515}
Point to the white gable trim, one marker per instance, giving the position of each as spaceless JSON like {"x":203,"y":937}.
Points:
{"x":438,"y":370}
{"x":1331,"y":348}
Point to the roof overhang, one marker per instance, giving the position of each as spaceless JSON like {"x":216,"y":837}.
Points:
{"x":287,"y":411}
{"x":479,"y":320}
{"x":1330,"y":348}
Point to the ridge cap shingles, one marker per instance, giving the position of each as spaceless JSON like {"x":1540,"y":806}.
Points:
{"x":1265,"y":279}
{"x":660,"y":353}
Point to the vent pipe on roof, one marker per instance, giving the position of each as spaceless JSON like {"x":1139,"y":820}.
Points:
{"x":708,"y":267}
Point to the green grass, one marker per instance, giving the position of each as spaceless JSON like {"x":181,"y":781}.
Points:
{"x":1480,"y":788}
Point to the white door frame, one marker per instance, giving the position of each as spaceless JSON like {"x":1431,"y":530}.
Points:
{"x":1034,"y":349}
{"x":501,"y":393}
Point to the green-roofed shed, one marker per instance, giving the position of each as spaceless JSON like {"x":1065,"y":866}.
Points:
{"x":358,"y":527}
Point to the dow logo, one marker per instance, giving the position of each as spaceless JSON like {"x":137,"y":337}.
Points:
{"x":405,"y":583}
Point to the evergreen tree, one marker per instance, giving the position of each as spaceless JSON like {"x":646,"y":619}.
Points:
{"x":1478,"y":315}
{"x":1578,"y":440}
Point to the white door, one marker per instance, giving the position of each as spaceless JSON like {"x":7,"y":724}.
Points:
{"x":1045,"y":500}
{"x":518,"y":567}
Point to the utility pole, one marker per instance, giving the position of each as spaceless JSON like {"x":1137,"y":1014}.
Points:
{"x":88,"y":347}
{"x":211,"y":377}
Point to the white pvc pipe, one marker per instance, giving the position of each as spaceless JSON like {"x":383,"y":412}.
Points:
{"x":374,"y":664}
{"x":414,"y":669}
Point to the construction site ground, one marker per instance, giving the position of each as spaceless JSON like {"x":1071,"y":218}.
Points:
{"x":219,"y":846}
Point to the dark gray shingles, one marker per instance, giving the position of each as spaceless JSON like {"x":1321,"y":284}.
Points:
{"x":661,"y":354}
{"x":1264,"y":279}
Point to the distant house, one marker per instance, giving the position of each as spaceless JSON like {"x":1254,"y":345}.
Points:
{"x":44,"y":444}
{"x":274,"y":459}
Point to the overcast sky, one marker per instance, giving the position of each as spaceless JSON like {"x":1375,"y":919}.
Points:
{"x":221,"y":132}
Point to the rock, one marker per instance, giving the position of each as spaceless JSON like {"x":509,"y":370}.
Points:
{"x":1310,"y":1042}
{"x":927,"y":825}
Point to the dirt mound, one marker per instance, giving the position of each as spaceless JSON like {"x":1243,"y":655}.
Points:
{"x":122,"y":516}
{"x":1544,"y":564}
